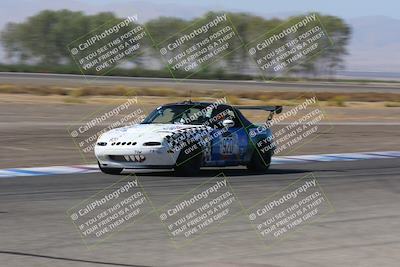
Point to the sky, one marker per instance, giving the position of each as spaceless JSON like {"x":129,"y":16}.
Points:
{"x":342,"y":8}
{"x":15,"y":10}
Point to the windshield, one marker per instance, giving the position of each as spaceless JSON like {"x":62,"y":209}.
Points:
{"x":179,"y":114}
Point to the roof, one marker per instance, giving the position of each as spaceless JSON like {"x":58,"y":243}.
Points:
{"x":195,"y":103}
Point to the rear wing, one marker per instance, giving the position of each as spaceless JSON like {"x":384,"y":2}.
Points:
{"x":274,"y":109}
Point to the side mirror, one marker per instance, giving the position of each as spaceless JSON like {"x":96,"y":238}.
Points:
{"x":228,"y":123}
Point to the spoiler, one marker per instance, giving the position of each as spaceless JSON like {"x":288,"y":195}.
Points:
{"x":274,"y":109}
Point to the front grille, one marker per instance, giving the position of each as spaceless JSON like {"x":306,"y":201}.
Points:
{"x":128,"y":158}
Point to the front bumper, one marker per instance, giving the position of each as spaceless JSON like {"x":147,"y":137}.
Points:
{"x":135,"y":158}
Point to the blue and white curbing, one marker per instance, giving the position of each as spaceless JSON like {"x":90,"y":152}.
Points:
{"x":83,"y":169}
{"x":335,"y":157}
{"x":52,"y":170}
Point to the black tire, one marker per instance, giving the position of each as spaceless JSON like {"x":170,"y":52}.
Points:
{"x":260,"y":162}
{"x":114,"y":171}
{"x":188,"y":164}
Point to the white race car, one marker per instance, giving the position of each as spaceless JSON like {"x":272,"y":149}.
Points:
{"x":186,"y":136}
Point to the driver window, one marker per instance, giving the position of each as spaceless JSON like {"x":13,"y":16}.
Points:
{"x":166,"y":116}
{"x":192,"y":116}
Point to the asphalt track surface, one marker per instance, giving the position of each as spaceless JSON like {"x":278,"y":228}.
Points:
{"x":79,"y":80}
{"x":362,"y":230}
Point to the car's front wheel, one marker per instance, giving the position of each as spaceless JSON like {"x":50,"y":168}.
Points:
{"x":260,"y":162}
{"x":106,"y":170}
{"x":188,"y":164}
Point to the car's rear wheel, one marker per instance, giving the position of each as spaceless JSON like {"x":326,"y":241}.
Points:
{"x":106,"y":170}
{"x":188,"y":164}
{"x":259,"y":161}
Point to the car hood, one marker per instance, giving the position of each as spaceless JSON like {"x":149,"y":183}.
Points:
{"x":143,"y":132}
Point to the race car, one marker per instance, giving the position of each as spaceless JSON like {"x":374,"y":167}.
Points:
{"x":186,"y":136}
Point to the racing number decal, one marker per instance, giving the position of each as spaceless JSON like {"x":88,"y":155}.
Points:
{"x":227,"y":146}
